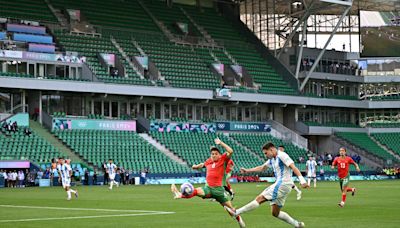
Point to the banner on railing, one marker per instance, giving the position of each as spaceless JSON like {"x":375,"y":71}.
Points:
{"x":182,"y":127}
{"x":243,"y":126}
{"x":15,"y":164}
{"x":219,"y":67}
{"x":22,"y":119}
{"x":109,"y":59}
{"x":223,"y":93}
{"x":42,"y":56}
{"x":144,"y":61}
{"x":89,"y":124}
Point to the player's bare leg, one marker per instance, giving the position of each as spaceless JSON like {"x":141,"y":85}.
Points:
{"x":238,"y":218}
{"x":246,"y":208}
{"x":178,"y":195}
{"x":276,"y":212}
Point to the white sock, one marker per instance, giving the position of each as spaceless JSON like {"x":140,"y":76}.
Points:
{"x":73,"y":191}
{"x":69,"y":194}
{"x":111,"y":184}
{"x":116,"y":183}
{"x":309,"y":181}
{"x":285,"y":217}
{"x":315,"y":182}
{"x":248,"y":207}
{"x":296,"y":189}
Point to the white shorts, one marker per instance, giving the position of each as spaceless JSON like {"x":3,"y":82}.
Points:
{"x":66,"y":183}
{"x":277,"y":193}
{"x":112,"y":176}
{"x":311,"y":175}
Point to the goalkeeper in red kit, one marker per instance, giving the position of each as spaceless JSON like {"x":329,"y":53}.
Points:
{"x":343,"y":163}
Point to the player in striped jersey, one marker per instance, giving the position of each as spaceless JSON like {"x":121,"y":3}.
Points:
{"x":64,"y":176}
{"x":311,"y":168}
{"x":294,"y":187}
{"x":277,"y":193}
{"x":111,"y":169}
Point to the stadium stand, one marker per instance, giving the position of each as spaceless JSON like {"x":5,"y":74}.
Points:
{"x":244,"y":52}
{"x":255,"y":141}
{"x":28,"y":10}
{"x":384,"y":125}
{"x":195,"y":147}
{"x":127,"y":149}
{"x":103,"y":13}
{"x":18,"y":145}
{"x":390,"y":140}
{"x":363,"y":141}
{"x":331,"y":124}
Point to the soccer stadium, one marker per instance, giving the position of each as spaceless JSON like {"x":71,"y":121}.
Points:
{"x":200,"y":113}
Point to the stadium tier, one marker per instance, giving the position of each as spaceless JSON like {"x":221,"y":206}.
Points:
{"x":390,"y":140}
{"x":127,"y":149}
{"x":195,"y":147}
{"x":241,"y":50}
{"x":330,"y":124}
{"x":115,"y":14}
{"x":27,"y":10}
{"x":384,"y":125}
{"x":363,"y":141}
{"x":18,"y":145}
{"x":255,"y":141}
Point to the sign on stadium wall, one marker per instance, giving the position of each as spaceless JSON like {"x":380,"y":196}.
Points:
{"x":182,"y":127}
{"x":88,"y":124}
{"x":42,"y":56}
{"x":235,"y":126}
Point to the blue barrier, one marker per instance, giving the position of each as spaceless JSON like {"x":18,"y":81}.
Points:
{"x":33,"y":38}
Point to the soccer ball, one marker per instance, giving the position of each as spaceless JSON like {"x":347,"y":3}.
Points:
{"x":187,"y":189}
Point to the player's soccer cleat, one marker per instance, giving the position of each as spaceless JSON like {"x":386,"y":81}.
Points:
{"x":300,"y":225}
{"x":232,"y":212}
{"x":341,"y":204}
{"x":298,"y":195}
{"x":353,"y":192}
{"x":69,"y":198}
{"x":76,"y":194}
{"x":175,"y":192}
{"x":241,"y":222}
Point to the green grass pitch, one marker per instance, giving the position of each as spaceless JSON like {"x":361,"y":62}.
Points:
{"x":376,"y":204}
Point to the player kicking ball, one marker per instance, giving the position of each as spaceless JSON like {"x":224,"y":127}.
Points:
{"x":294,"y":187}
{"x":277,"y":193}
{"x":343,"y":163}
{"x":112,"y":170}
{"x":215,"y":178}
{"x":65,"y":173}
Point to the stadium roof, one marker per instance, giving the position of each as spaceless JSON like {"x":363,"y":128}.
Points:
{"x":371,"y":5}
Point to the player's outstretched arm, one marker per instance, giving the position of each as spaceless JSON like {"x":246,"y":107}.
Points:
{"x":198,"y":166}
{"x":256,"y":169}
{"x":357,"y":167}
{"x":296,"y":171}
{"x":228,"y":149}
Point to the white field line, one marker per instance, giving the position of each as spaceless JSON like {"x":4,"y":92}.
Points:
{"x":138,"y":213}
{"x":84,"y":217}
{"x":80,"y":209}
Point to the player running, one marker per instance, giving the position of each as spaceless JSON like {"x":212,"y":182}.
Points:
{"x":64,"y":176}
{"x":343,"y":163}
{"x":111,"y":169}
{"x":277,"y":193}
{"x":215,"y":178}
{"x":311,"y":169}
{"x":298,"y":196}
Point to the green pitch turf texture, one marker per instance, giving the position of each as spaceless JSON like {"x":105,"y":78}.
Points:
{"x":376,"y":204}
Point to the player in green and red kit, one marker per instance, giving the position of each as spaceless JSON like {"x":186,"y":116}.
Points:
{"x":216,"y":167}
{"x":228,"y":175}
{"x":343,"y":163}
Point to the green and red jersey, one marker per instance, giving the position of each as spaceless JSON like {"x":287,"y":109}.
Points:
{"x":343,"y":165}
{"x":216,"y":171}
